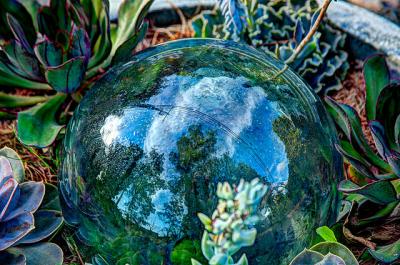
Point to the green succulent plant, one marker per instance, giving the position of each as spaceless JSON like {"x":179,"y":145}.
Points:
{"x":231,"y":226}
{"x":372,"y":176}
{"x":63,"y":45}
{"x":29,"y":213}
{"x":278,"y":27}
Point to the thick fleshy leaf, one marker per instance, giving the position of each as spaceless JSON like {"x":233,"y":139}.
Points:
{"x":6,"y":116}
{"x":337,"y":249}
{"x":47,"y":53}
{"x":130,"y":17}
{"x":354,"y":158}
{"x":348,"y":121}
{"x":12,"y":231}
{"x":21,"y":59}
{"x":125,"y":51}
{"x":15,"y":101}
{"x":377,"y":76}
{"x":18,"y":32}
{"x":387,"y":254}
{"x":387,"y":111}
{"x":326,"y":233}
{"x":9,"y":196}
{"x":37,"y":126}
{"x":381,"y":214}
{"x":381,"y":143}
{"x":38,"y":253}
{"x":80,"y":43}
{"x":331,"y":259}
{"x":12,"y":259}
{"x":380,"y":192}
{"x":5,"y":169}
{"x":307,"y":257}
{"x":68,"y":76}
{"x":357,"y":177}
{"x":46,"y":223}
{"x":51,"y":200}
{"x":394,"y":161}
{"x":30,"y":198}
{"x":103,"y":44}
{"x":206,"y":248}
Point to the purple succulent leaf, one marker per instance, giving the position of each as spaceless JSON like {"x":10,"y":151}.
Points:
{"x":47,"y":52}
{"x":378,"y":133}
{"x":9,"y":196}
{"x":394,"y":161}
{"x":17,"y":166}
{"x":14,"y":230}
{"x":68,"y":76}
{"x":31,"y":196}
{"x":37,"y":253}
{"x":18,"y":33}
{"x":5,"y":169}
{"x":46,"y":223}
{"x":80,"y":43}
{"x":7,"y":257}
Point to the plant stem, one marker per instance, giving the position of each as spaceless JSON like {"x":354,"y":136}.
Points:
{"x":307,"y":38}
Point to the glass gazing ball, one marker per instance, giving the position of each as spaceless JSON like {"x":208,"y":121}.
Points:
{"x":147,"y":146}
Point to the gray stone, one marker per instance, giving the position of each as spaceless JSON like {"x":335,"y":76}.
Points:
{"x":369,"y":28}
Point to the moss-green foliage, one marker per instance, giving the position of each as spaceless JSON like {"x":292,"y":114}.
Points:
{"x":278,"y":27}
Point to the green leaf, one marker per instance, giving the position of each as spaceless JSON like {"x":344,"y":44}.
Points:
{"x":348,"y":121}
{"x":15,"y":101}
{"x":185,"y":251}
{"x":47,"y":53}
{"x":382,"y":213}
{"x":130,"y":17}
{"x":15,"y":162}
{"x":206,"y":248}
{"x":380,"y":192}
{"x":125,"y":51}
{"x":337,"y":249}
{"x":51,"y":200}
{"x":68,"y":76}
{"x":326,"y":233}
{"x":387,"y":254}
{"x":387,"y":111}
{"x":331,"y":259}
{"x":6,"y":116}
{"x":307,"y":257}
{"x":397,"y":132}
{"x":377,"y":76}
{"x":37,"y":126}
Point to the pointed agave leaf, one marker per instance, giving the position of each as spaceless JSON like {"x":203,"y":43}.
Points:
{"x":125,"y":51}
{"x":37,"y":126}
{"x":68,"y":76}
{"x":381,"y":214}
{"x":387,"y":254}
{"x":46,"y":223}
{"x":377,"y":76}
{"x":337,"y":249}
{"x":30,"y":198}
{"x":378,"y":133}
{"x":130,"y":17}
{"x":354,"y":158}
{"x":16,"y":164}
{"x":22,"y":60}
{"x":394,"y":161}
{"x":349,"y":122}
{"x":18,"y":33}
{"x":387,"y":111}
{"x":307,"y":257}
{"x":15,"y":101}
{"x":380,"y":192}
{"x":12,"y":231}
{"x":103,"y":44}
{"x":37,"y":253}
{"x":47,"y":53}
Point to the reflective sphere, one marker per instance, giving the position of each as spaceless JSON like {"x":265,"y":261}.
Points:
{"x":147,"y":146}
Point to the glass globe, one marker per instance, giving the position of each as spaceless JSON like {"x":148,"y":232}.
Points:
{"x":147,"y":146}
